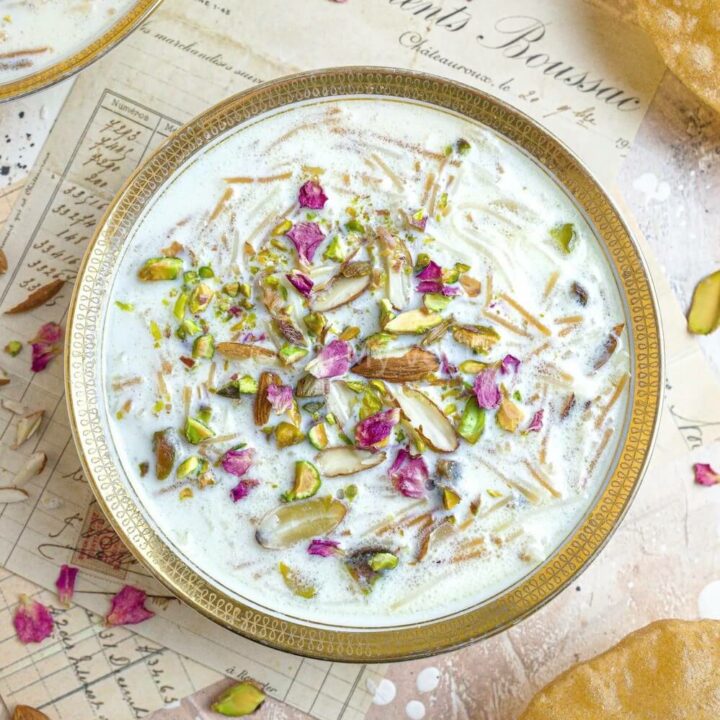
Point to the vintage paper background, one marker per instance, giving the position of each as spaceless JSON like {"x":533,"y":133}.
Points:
{"x":181,"y":61}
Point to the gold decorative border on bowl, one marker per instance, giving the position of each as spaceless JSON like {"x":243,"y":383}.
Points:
{"x":66,"y":67}
{"x":85,"y":391}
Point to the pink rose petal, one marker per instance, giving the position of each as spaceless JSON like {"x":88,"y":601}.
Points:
{"x":331,"y":361}
{"x":312,"y":195}
{"x":301,"y":282}
{"x":486,"y":390}
{"x":446,"y":367}
{"x":128,"y":607}
{"x":429,"y":286}
{"x":537,"y":422}
{"x":450,"y":290}
{"x":45,"y":346}
{"x":306,"y":237}
{"x":32,"y":620}
{"x":323,"y":547}
{"x":237,"y":462}
{"x":705,"y":475}
{"x":373,"y":430}
{"x":509,"y":364}
{"x":280,"y":397}
{"x":65,"y":584}
{"x":242,"y":489}
{"x":432,"y":271}
{"x":409,"y":475}
{"x":49,"y":334}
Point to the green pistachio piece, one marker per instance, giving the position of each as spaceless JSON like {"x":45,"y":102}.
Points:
{"x":282,"y":228}
{"x":163,"y":268}
{"x":704,"y":315}
{"x":509,"y":415}
{"x":355,"y":226}
{"x":335,"y":250}
{"x":187,"y":467}
{"x":317,"y":435}
{"x":436,"y":302}
{"x":565,"y":236}
{"x":472,"y":422}
{"x":206,"y":272}
{"x":473,"y":367}
{"x":188,"y":327}
{"x":200,"y":297}
{"x":239,"y":700}
{"x":451,"y":275}
{"x":306,"y":483}
{"x":287,"y":434}
{"x":232,"y":289}
{"x":314,"y":322}
{"x":164,"y":449}
{"x":247,"y":385}
{"x":296,"y":583}
{"x":479,"y":338}
{"x":449,"y":498}
{"x":180,"y":305}
{"x":383,"y":561}
{"x":377,"y":341}
{"x":13,"y":348}
{"x":125,"y":306}
{"x":463,"y":146}
{"x":196,"y":431}
{"x":423,"y":260}
{"x":205,"y":414}
{"x":386,"y":312}
{"x":190,"y":277}
{"x":351,"y":491}
{"x":204,"y":347}
{"x":290,"y":354}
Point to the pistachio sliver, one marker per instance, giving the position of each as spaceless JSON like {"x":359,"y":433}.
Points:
{"x":296,"y":583}
{"x":472,"y":422}
{"x":479,"y":338}
{"x":239,"y":700}
{"x":704,"y":315}
{"x":162,"y":268}
{"x":565,"y":237}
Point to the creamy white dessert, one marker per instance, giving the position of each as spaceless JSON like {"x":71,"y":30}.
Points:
{"x":35,"y":34}
{"x":366,"y":363}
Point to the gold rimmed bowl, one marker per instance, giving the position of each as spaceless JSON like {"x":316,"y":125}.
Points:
{"x":90,"y":415}
{"x":91,"y":49}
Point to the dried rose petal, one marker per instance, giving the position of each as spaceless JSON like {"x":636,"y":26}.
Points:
{"x":409,"y":475}
{"x":486,"y":390}
{"x":446,"y":367}
{"x":49,"y":334}
{"x":45,"y":346}
{"x":301,"y":282}
{"x":242,"y":489}
{"x":509,"y":364}
{"x":373,"y":430}
{"x":429,"y":286}
{"x":32,"y":620}
{"x":432,"y":271}
{"x":705,"y":475}
{"x":306,"y":238}
{"x":65,"y":584}
{"x":128,"y":607}
{"x":280,"y":398}
{"x":450,"y":290}
{"x":312,"y":195}
{"x":331,"y":361}
{"x":237,"y":462}
{"x":323,"y":547}
{"x":537,"y":422}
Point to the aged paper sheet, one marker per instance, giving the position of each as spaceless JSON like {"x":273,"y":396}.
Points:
{"x":181,"y":61}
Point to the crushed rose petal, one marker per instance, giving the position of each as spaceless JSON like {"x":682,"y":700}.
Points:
{"x":306,"y":237}
{"x":65,"y":583}
{"x":280,"y":397}
{"x":486,"y":390}
{"x":418,"y":219}
{"x":312,"y":195}
{"x":242,"y":489}
{"x":537,"y":422}
{"x":301,"y":282}
{"x":323,"y":547}
{"x":32,"y":620}
{"x":429,"y":286}
{"x":705,"y":475}
{"x":509,"y":364}
{"x":446,"y":367}
{"x":237,"y":462}
{"x":409,"y":475}
{"x":432,"y":271}
{"x":253,"y":337}
{"x":128,"y":607}
{"x":375,"y":429}
{"x":45,"y":346}
{"x":333,"y":360}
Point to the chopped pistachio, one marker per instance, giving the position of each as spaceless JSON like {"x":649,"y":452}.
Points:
{"x":196,"y":431}
{"x":290,"y":354}
{"x":205,"y":414}
{"x":200,"y":297}
{"x":472,"y":422}
{"x":565,"y":237}
{"x":436,"y":302}
{"x":349,"y":333}
{"x":413,"y":322}
{"x":443,"y":201}
{"x":239,"y":700}
{"x":450,"y":498}
{"x":163,"y":268}
{"x":335,"y":250}
{"x":247,"y":385}
{"x":190,"y":277}
{"x":377,"y":341}
{"x":287,"y":434}
{"x":186,"y":493}
{"x":317,"y":435}
{"x":494,"y":493}
{"x":188,"y":327}
{"x":206,"y":272}
{"x":704,"y":315}
{"x":306,"y":482}
{"x":188,"y":467}
{"x":314,"y":322}
{"x":422,"y":261}
{"x":180,"y":305}
{"x":479,"y":338}
{"x":204,"y":347}
{"x":463,"y":146}
{"x":295,"y":583}
{"x":144,"y":467}
{"x":355,"y":226}
{"x":472,"y":367}
{"x":383,"y":561}
{"x":125,"y":306}
{"x":232,"y":289}
{"x":386,"y":312}
{"x":155,"y":331}
{"x":282,"y":228}
{"x":13,"y":348}
{"x":351,"y":491}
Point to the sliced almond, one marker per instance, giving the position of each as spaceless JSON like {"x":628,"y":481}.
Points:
{"x":399,"y":277}
{"x":297,"y":521}
{"x":340,"y":401}
{"x":309,"y":386}
{"x":25,"y":712}
{"x":340,"y":461}
{"x":27,"y":426}
{"x":480,"y":338}
{"x":37,"y":298}
{"x":413,"y":322}
{"x":15,"y":407}
{"x":340,"y":291}
{"x":4,"y":379}
{"x":10,"y":495}
{"x":3,"y":263}
{"x":470,"y":285}
{"x":427,"y":418}
{"x":262,"y":407}
{"x":413,"y":365}
{"x":244,"y":351}
{"x":34,"y":466}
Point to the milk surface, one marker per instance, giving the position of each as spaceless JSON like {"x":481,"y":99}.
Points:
{"x":493,"y":209}
{"x":35,"y":34}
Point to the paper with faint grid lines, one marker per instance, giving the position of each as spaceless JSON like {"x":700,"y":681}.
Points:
{"x":181,"y":61}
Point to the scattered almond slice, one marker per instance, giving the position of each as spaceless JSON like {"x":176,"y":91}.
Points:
{"x":339,"y":461}
{"x":398,"y":262}
{"x":340,"y":400}
{"x":37,"y":298}
{"x":340,"y":291}
{"x":11,"y":495}
{"x":3,"y":263}
{"x":4,"y":379}
{"x":415,"y":364}
{"x":244,"y":351}
{"x":15,"y":407}
{"x":34,"y":466}
{"x":297,"y":521}
{"x":427,"y":418}
{"x":27,"y":426}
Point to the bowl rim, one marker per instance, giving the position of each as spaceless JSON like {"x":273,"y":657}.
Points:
{"x":67,"y":66}
{"x":539,"y":586}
